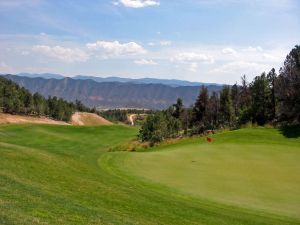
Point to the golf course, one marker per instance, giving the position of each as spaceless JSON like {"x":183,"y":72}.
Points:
{"x":55,"y":174}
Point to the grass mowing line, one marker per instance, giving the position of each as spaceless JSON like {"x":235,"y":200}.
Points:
{"x":80,"y":189}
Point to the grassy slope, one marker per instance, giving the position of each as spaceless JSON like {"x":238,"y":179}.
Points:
{"x":63,"y":175}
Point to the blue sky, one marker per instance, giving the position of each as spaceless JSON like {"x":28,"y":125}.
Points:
{"x":197,"y":40}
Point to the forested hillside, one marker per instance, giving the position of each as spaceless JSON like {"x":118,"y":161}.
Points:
{"x":18,"y":100}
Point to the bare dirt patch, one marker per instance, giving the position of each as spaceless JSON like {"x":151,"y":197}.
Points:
{"x":18,"y":119}
{"x":88,"y":119}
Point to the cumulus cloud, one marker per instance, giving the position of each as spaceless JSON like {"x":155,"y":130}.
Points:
{"x":115,"y":48}
{"x":145,"y":62}
{"x":273,"y":58}
{"x":137,"y":3}
{"x":242,"y":67}
{"x":229,"y":51}
{"x":254,"y":49}
{"x":61,"y":53}
{"x":192,"y":57}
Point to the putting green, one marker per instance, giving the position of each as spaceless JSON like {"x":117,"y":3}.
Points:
{"x":257,"y":168}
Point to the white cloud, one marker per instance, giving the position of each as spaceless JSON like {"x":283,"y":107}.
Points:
{"x":151,"y":43}
{"x":273,"y":58}
{"x":193,"y":67}
{"x":161,"y":43}
{"x":242,"y":67}
{"x":254,"y":49}
{"x":165,"y":43}
{"x":4,"y":68}
{"x":137,"y":3}
{"x":145,"y":62}
{"x":115,"y":48}
{"x":229,"y":51}
{"x":192,"y":57}
{"x":61,"y":53}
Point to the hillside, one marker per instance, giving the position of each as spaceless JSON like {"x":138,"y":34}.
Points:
{"x":6,"y":118}
{"x":88,"y":119}
{"x":112,"y":94}
{"x":77,"y":119}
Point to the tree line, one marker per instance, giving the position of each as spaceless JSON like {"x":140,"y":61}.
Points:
{"x":270,"y":98}
{"x":121,"y":115}
{"x":18,"y":100}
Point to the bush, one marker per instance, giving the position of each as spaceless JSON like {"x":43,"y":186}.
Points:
{"x":159,"y":126}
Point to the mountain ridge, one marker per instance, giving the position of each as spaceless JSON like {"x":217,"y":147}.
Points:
{"x":146,"y":80}
{"x":112,"y":94}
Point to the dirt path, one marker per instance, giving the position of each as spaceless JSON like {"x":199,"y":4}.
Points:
{"x":131,"y":119}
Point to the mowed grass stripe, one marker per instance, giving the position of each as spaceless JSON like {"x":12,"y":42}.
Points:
{"x":64,"y":175}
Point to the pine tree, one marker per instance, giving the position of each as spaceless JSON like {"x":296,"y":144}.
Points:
{"x":288,"y":88}
{"x":272,"y":76}
{"x":226,"y":108}
{"x":199,"y":109}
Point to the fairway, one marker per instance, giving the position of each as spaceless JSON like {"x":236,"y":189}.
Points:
{"x":65,"y":175}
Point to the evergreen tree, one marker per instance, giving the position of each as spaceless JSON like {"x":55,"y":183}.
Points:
{"x":235,"y":97}
{"x":272,"y":76}
{"x":244,"y":102}
{"x":226,"y":108}
{"x":288,"y":88}
{"x":213,"y":111}
{"x":178,"y":109}
{"x":261,"y":100}
{"x":200,"y":105}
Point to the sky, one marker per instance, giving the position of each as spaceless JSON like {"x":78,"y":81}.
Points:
{"x":197,"y":40}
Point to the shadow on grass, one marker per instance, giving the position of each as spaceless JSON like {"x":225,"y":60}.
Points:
{"x":290,"y":132}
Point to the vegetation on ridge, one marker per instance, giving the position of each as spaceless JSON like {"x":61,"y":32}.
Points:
{"x":17,"y":100}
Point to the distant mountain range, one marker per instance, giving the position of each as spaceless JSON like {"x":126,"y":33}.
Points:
{"x":112,"y":94}
{"x":42,"y":75}
{"x":170,"y":82}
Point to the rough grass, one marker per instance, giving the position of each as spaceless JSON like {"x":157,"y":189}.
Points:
{"x":65,"y":175}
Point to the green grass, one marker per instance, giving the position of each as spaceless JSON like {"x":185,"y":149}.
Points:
{"x":256,"y":168}
{"x":65,"y":175}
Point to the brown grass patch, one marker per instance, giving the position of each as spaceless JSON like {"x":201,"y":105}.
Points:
{"x":6,"y":118}
{"x":88,"y":119}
